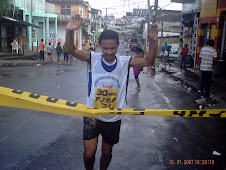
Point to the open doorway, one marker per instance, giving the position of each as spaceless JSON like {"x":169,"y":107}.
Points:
{"x":223,"y":43}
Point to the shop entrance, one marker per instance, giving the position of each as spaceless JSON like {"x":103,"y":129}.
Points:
{"x":223,"y":43}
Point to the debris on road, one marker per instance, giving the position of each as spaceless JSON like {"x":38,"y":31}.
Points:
{"x":216,"y":153}
{"x":210,"y":105}
{"x":201,"y":101}
{"x":175,"y":139}
{"x":189,"y":89}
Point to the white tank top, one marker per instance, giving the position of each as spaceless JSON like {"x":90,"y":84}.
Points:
{"x":108,"y":89}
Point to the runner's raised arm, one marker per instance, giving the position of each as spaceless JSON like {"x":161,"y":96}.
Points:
{"x":73,"y":25}
{"x":150,"y":59}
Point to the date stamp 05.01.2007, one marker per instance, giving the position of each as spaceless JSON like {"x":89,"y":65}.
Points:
{"x":192,"y":162}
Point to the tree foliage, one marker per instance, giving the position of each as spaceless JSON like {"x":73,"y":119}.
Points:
{"x":5,"y":6}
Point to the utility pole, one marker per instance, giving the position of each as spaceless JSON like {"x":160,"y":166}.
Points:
{"x":107,"y":13}
{"x":155,"y":11}
{"x":148,"y":15}
{"x":13,"y":8}
{"x":153,"y":72}
{"x":32,"y":29}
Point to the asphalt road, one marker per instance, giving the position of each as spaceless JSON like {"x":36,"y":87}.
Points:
{"x":38,"y":140}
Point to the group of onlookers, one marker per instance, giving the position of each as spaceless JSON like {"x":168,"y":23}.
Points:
{"x":206,"y":64}
{"x":68,"y":59}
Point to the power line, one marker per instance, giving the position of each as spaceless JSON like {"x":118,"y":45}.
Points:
{"x":165,"y":5}
{"x":123,"y":5}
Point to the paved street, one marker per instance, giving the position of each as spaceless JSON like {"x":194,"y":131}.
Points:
{"x":38,"y":140}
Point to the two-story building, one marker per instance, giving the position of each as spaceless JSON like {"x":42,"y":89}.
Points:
{"x":189,"y":24}
{"x":39,"y":13}
{"x":213,"y":24}
{"x":65,"y":10}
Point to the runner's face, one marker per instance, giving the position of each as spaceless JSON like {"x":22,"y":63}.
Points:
{"x":109,"y":48}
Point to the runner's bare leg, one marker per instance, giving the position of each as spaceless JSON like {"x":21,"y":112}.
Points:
{"x":105,"y":156}
{"x":90,"y":147}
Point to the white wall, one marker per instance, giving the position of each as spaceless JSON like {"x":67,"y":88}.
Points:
{"x":192,"y":6}
{"x":37,"y":5}
{"x":50,"y":7}
{"x":61,"y":33}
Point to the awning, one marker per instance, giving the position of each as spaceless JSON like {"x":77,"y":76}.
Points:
{"x":28,"y":24}
{"x":17,"y":22}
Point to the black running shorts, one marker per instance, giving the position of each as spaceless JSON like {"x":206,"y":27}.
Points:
{"x":109,"y":130}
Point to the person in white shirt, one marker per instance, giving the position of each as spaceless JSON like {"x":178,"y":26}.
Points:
{"x":208,"y":56}
{"x":49,"y":50}
{"x":108,"y":80}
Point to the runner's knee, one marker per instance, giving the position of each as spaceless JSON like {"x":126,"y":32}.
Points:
{"x":89,"y":153}
{"x":107,"y":152}
{"x":106,"y":155}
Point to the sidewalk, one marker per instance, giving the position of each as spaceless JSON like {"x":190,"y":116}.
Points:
{"x":30,"y":58}
{"x":190,"y":78}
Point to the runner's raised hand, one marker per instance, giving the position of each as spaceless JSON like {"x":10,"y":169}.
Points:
{"x":74,"y":23}
{"x":153,"y":32}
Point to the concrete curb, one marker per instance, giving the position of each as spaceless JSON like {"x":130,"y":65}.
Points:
{"x":15,"y":63}
{"x":193,"y":85}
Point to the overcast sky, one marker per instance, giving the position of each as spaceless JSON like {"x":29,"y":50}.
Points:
{"x":120,"y":7}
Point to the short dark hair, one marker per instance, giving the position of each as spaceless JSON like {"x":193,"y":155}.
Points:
{"x":139,"y":49}
{"x":211,"y":42}
{"x":49,"y":43}
{"x":108,"y":34}
{"x":41,"y":40}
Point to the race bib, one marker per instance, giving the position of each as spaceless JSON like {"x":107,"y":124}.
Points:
{"x":106,"y":98}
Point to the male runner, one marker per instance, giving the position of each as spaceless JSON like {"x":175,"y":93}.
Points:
{"x":107,"y":89}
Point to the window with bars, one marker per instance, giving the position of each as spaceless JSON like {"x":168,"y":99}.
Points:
{"x":66,"y":9}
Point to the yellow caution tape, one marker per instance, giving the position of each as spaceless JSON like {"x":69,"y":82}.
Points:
{"x":20,"y":99}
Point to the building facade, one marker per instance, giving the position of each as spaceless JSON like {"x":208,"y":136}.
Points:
{"x":212,"y":25}
{"x":39,"y":13}
{"x":65,"y":10}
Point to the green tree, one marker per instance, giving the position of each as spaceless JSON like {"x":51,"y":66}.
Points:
{"x":5,"y":6}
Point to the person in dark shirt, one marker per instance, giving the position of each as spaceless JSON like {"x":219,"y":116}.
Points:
{"x":59,"y":51}
{"x":224,"y":55}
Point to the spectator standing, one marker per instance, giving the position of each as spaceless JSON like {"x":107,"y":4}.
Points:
{"x":224,"y":55}
{"x":65,"y":54}
{"x":41,"y":47}
{"x":165,"y":48}
{"x":49,"y":49}
{"x":224,"y":63}
{"x":137,"y":70}
{"x":180,"y":48}
{"x":23,"y":42}
{"x":71,"y":58}
{"x":184,"y":56}
{"x":127,"y":48}
{"x":208,"y":56}
{"x":59,"y":51}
